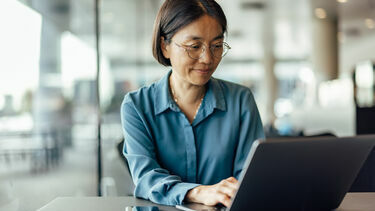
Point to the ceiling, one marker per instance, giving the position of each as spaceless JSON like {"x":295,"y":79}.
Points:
{"x":126,"y":25}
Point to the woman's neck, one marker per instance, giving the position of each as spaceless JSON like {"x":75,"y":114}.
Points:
{"x":184,"y":92}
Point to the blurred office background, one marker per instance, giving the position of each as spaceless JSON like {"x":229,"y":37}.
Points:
{"x":309,"y":63}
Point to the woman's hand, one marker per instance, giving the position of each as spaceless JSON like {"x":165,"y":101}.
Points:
{"x":211,"y":195}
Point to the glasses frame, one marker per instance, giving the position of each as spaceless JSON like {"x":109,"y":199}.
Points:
{"x":226,"y":48}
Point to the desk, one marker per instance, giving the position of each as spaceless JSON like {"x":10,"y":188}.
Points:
{"x":352,"y":202}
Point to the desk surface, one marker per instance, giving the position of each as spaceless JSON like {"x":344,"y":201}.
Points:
{"x":352,"y":202}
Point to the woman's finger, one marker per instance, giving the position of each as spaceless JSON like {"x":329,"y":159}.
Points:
{"x":224,"y":199}
{"x":228,"y":190}
{"x":231,"y":184}
{"x":232,"y":179}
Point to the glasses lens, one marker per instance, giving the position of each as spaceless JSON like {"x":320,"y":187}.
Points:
{"x":218,"y":50}
{"x":196,"y":52}
{"x":226,"y":48}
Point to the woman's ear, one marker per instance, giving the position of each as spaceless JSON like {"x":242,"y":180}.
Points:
{"x":164,"y":48}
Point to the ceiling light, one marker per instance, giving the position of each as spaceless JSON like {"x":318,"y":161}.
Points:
{"x":320,"y":13}
{"x":342,"y":1}
{"x":370,"y":23}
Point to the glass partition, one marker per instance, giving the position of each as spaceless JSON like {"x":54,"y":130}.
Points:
{"x":48,"y":108}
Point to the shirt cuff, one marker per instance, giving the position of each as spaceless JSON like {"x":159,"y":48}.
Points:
{"x":180,"y":190}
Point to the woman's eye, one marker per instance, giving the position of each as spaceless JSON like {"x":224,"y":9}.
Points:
{"x":195,"y":46}
{"x":218,"y":46}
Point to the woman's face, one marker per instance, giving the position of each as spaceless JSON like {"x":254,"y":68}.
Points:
{"x":205,"y":31}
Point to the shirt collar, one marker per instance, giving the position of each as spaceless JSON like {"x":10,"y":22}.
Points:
{"x":214,"y":95}
{"x":162,"y":97}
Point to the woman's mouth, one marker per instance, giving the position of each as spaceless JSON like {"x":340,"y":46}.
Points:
{"x":203,"y":71}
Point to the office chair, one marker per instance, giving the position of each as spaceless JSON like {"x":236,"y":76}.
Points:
{"x":120,"y":147}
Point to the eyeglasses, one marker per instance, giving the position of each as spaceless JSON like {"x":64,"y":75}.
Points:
{"x":196,"y":51}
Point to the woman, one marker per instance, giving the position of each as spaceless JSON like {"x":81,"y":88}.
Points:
{"x":187,"y":136}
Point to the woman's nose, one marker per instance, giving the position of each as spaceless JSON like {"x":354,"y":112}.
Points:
{"x":206,"y":57}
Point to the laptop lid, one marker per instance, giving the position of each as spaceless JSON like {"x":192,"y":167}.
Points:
{"x":300,"y":173}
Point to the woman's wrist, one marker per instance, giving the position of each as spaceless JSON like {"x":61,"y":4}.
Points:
{"x":193,"y":195}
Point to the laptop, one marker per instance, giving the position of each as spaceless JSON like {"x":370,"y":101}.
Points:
{"x":298,"y":173}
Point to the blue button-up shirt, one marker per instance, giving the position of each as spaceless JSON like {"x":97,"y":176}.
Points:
{"x":168,"y":156}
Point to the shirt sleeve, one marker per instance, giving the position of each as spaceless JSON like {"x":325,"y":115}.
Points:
{"x":151,"y":181}
{"x":251,"y":129}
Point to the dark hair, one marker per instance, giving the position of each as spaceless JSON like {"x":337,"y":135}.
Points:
{"x":175,"y":14}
